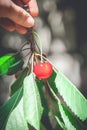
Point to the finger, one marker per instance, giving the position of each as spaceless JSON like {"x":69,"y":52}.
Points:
{"x":21,"y":29}
{"x":7,"y":24}
{"x":33,"y":8}
{"x":17,"y":15}
{"x":18,"y":2}
{"x":25,"y":1}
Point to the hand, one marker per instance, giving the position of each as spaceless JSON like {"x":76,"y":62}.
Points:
{"x":14,"y":17}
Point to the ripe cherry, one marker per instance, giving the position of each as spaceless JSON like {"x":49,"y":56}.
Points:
{"x":43,"y":70}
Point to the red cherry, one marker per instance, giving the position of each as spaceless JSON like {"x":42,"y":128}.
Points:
{"x":43,"y":70}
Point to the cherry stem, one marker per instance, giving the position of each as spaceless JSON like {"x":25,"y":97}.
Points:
{"x":46,"y":59}
{"x":32,"y":63}
{"x":51,"y":90}
{"x":24,"y":44}
{"x":55,"y":96}
{"x":25,"y":49}
{"x":29,"y":59}
{"x":39,"y":43}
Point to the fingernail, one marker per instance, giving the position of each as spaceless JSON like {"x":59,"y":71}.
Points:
{"x":29,"y":22}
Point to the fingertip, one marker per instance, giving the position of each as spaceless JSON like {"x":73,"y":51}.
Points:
{"x":34,"y":11}
{"x":25,"y":1}
{"x":21,"y":17}
{"x":29,"y":22}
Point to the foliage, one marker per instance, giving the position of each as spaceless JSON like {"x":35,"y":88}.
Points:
{"x":10,"y":64}
{"x":32,"y":99}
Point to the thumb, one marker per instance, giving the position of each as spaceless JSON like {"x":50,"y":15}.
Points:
{"x":17,"y":15}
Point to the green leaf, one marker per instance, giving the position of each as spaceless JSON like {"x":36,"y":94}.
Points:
{"x":7,"y":61}
{"x":42,"y":127}
{"x":8,"y":107}
{"x":43,"y":97}
{"x":62,"y":125}
{"x":15,"y":67}
{"x":19,"y":81}
{"x":31,"y":102}
{"x":16,"y":119}
{"x":71,"y":122}
{"x":71,"y":95}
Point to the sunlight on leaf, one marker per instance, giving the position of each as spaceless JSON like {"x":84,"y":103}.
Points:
{"x":5,"y":62}
{"x":71,"y":95}
{"x":8,"y":107}
{"x":71,"y":122}
{"x":31,"y":102}
{"x":60,"y":123}
{"x":16,"y":119}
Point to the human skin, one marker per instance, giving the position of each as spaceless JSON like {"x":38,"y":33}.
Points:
{"x":14,"y":17}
